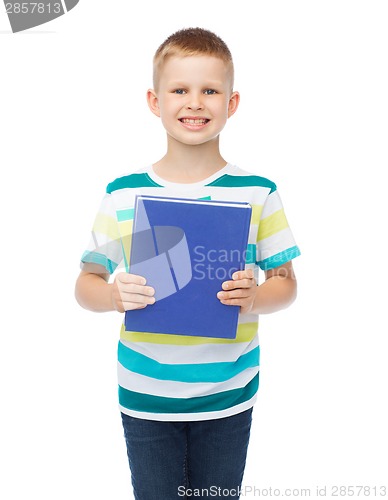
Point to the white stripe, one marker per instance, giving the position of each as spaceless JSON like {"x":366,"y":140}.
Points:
{"x":124,"y":198}
{"x":255,"y":195}
{"x":248,"y":318}
{"x":112,"y":249}
{"x":253,"y":230}
{"x":240,"y":172}
{"x":107,"y":206}
{"x":278,"y":242}
{"x":192,"y":354}
{"x":273,"y":204}
{"x":103,"y":239}
{"x":173,"y":417}
{"x":167,"y":388}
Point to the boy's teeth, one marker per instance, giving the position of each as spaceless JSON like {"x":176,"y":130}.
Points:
{"x":194,"y":122}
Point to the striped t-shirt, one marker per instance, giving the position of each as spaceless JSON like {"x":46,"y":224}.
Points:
{"x":180,"y":377}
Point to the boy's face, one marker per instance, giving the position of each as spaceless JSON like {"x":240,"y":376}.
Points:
{"x":194,"y":98}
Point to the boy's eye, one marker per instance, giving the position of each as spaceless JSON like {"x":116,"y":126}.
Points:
{"x":210,"y":91}
{"x":179,"y":91}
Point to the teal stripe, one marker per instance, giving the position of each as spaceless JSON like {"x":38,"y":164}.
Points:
{"x":279,"y":258}
{"x":251,"y":254}
{"x":243,"y":181}
{"x":124,"y":215}
{"x":207,"y":198}
{"x":213,"y":402}
{"x":131,"y":181}
{"x":198,"y":372}
{"x":98,"y":258}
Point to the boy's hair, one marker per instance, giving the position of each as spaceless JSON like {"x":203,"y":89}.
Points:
{"x":192,"y":42}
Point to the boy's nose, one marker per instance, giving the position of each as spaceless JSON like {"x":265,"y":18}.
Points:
{"x":194,"y":103}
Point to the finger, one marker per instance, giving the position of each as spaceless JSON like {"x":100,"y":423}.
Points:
{"x":231,"y":302}
{"x":134,"y":290}
{"x":243,"y":283}
{"x":131,"y":278}
{"x":135,"y":298}
{"x":246,"y":273}
{"x":240,"y":293}
{"x":139,"y":289}
{"x":130,"y":306}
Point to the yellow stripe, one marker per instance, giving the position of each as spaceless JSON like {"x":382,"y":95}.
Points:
{"x":126,"y":227}
{"x":106,"y":225}
{"x":272,"y":224}
{"x":256,"y":214}
{"x":245,"y":333}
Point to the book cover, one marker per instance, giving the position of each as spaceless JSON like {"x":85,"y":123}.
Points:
{"x":186,"y":249}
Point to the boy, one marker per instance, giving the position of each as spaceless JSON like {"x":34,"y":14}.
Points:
{"x":186,"y":433}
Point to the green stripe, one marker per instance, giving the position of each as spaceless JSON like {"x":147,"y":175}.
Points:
{"x":98,"y":258}
{"x":245,"y":333}
{"x":131,"y":181}
{"x":279,"y":258}
{"x":125,"y":214}
{"x":213,"y":402}
{"x":251,"y":254}
{"x":198,"y":372}
{"x":243,"y":181}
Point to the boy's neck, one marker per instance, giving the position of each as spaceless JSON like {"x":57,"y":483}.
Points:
{"x":185,"y":163}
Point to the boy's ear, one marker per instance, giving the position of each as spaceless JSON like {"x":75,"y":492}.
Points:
{"x":234,"y":101}
{"x":153,"y":102}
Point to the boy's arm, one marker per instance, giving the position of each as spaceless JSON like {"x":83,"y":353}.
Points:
{"x":278,"y":291}
{"x":128,"y":291}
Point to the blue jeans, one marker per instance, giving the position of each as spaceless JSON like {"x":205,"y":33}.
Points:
{"x":179,"y":460}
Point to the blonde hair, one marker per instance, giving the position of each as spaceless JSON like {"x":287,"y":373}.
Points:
{"x":192,"y":42}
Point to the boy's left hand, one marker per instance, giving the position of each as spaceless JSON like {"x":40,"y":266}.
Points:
{"x":240,"y":291}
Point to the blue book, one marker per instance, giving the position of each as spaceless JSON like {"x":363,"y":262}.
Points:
{"x":186,"y":249}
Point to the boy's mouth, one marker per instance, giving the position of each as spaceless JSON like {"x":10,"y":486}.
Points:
{"x":195,"y":122}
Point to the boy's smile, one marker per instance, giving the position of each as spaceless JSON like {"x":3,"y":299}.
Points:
{"x":194,"y":122}
{"x":194,"y":98}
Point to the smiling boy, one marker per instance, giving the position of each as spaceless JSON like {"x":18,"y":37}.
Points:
{"x":186,"y":430}
{"x":193,"y":97}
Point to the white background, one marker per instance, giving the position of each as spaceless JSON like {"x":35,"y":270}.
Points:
{"x":313,"y":117}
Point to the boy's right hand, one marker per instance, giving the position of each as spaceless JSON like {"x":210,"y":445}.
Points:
{"x":129,"y":291}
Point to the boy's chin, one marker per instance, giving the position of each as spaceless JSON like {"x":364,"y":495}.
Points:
{"x":193,"y":141}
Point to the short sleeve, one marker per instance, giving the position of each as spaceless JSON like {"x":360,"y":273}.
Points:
{"x":275,"y":242}
{"x":104,"y":248}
